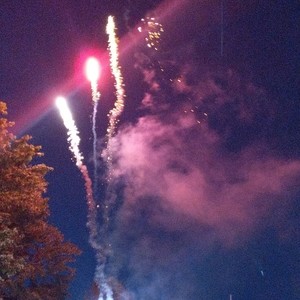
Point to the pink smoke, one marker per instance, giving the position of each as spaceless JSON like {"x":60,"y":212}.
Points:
{"x":231,"y":195}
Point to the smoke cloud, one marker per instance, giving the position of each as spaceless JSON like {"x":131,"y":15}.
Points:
{"x":181,"y":165}
{"x":187,"y":192}
{"x":200,"y":180}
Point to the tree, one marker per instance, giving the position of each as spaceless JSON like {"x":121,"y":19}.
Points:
{"x":34,"y":257}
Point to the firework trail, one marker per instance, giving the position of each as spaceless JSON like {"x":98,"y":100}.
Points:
{"x":115,"y":113}
{"x":74,"y":140}
{"x":73,"y":134}
{"x":153,"y":39}
{"x":92,"y":73}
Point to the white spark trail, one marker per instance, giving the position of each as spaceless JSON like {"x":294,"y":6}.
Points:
{"x":73,"y":134}
{"x":95,"y":95}
{"x":92,"y":73}
{"x":115,"y":113}
{"x":74,"y":140}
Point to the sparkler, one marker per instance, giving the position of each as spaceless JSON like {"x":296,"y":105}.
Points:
{"x":92,"y":70}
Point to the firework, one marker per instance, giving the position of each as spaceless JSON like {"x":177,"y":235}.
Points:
{"x":115,"y":113}
{"x":92,"y":73}
{"x":92,"y":70}
{"x":73,"y":134}
{"x":154,"y":31}
{"x":74,"y":140}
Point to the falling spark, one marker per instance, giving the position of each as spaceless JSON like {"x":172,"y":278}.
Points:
{"x":92,"y":70}
{"x":154,"y":31}
{"x":74,"y":140}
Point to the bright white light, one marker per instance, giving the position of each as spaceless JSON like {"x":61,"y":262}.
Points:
{"x":73,"y":135}
{"x":64,"y":110}
{"x":92,"y":69}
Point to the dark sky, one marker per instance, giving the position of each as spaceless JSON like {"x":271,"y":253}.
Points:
{"x":206,"y":160}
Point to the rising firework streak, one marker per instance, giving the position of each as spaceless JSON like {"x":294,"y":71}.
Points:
{"x":92,"y":71}
{"x":74,"y":140}
{"x":114,"y":114}
{"x":73,"y":134}
{"x":116,"y":72}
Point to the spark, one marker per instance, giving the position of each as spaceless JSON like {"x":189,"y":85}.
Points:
{"x":154,"y":31}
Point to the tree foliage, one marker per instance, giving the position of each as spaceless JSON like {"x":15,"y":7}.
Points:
{"x":34,"y":257}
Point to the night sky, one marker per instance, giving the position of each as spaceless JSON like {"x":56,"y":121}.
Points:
{"x":206,"y":159}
